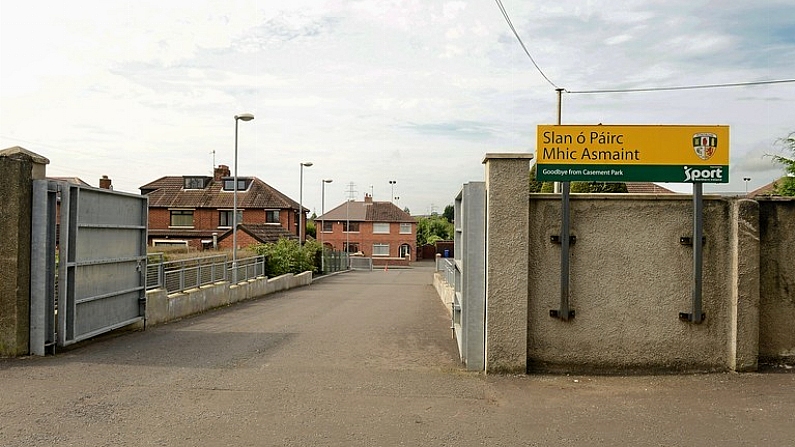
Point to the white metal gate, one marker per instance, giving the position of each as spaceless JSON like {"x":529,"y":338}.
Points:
{"x":97,"y":240}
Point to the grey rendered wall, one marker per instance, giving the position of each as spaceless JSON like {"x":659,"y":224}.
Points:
{"x":15,"y":221}
{"x":507,"y":194}
{"x":162,"y":308}
{"x":630,"y":279}
{"x":777,"y":278}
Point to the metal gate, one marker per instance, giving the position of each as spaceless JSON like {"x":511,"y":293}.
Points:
{"x":88,"y":262}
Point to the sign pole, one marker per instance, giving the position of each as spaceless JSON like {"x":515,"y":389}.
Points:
{"x":697,"y":315}
{"x":564,"y":313}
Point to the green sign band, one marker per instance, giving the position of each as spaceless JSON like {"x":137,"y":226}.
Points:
{"x":632,"y":173}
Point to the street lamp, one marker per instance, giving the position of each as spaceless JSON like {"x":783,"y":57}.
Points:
{"x":301,"y":224}
{"x":392,"y":196}
{"x":746,"y":180}
{"x":244,"y":117}
{"x":319,"y":231}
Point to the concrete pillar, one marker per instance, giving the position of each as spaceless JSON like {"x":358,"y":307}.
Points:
{"x":745,"y":250}
{"x":15,"y":220}
{"x":507,"y":261}
{"x":18,"y":168}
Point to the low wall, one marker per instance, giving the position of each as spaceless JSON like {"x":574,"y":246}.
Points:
{"x":163,"y":308}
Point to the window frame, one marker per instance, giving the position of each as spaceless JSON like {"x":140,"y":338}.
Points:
{"x":376,"y":225}
{"x":194,"y":182}
{"x":269,"y":214}
{"x":228,"y":184}
{"x":403,"y":225}
{"x":181,"y":212}
{"x":228,"y":213}
{"x":381,"y":245}
{"x":350,"y":224}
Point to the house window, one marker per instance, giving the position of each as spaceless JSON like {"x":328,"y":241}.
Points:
{"x":351,"y":247}
{"x":328,"y":227}
{"x":380,"y":249}
{"x":272,"y":216}
{"x":225,"y":218}
{"x":195,"y":182}
{"x":350,"y":227}
{"x":405,"y":228}
{"x":381,"y":228}
{"x":229,"y":184}
{"x":181,"y":218}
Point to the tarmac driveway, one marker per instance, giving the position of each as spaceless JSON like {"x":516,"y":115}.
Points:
{"x":358,"y":359}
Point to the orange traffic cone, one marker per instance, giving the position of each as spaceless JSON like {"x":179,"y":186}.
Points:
{"x":386,"y":267}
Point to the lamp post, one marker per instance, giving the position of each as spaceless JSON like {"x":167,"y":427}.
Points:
{"x":244,"y":117}
{"x":392,"y":196}
{"x":319,"y":231}
{"x":301,"y":224}
{"x":746,"y":180}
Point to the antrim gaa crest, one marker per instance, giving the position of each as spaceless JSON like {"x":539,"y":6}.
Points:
{"x":705,"y":144}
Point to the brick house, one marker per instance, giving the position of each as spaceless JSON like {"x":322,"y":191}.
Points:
{"x":379,"y":230}
{"x":196,"y":211}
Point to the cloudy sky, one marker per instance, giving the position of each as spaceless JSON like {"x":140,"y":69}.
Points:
{"x":415,"y":91}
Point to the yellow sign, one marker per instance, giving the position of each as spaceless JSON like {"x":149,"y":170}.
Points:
{"x":627,"y":145}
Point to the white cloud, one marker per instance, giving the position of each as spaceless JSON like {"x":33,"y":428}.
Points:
{"x":372,"y":90}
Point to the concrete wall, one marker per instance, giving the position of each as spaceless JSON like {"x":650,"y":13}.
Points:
{"x":162,"y":308}
{"x":777,"y":280}
{"x":630,"y":279}
{"x":507,"y":192}
{"x":15,"y":227}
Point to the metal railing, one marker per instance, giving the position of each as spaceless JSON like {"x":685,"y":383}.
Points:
{"x":447,"y":267}
{"x":361,"y":263}
{"x":334,"y":261}
{"x":176,"y":276}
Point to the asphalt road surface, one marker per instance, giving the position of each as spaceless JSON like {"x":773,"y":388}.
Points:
{"x":359,"y":359}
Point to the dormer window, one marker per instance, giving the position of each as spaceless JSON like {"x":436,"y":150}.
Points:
{"x":195,"y":182}
{"x":242,"y":184}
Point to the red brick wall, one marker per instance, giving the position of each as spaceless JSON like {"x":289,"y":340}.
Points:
{"x":243,"y":240}
{"x":208,"y":219}
{"x":365,"y":238}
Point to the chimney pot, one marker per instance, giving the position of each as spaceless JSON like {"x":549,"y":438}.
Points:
{"x":220,"y":172}
{"x":105,"y":182}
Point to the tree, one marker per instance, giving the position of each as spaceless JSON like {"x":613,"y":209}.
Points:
{"x":449,"y":213}
{"x":432,"y":229}
{"x":786,"y":186}
{"x":577,"y":187}
{"x":535,"y":185}
{"x":598,"y":187}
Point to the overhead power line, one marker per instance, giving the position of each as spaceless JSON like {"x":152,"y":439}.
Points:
{"x":682,"y":87}
{"x":508,"y":19}
{"x":633,"y":90}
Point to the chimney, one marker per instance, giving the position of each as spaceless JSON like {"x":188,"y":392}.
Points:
{"x":220,"y":172}
{"x":105,"y":182}
{"x":368,"y":198}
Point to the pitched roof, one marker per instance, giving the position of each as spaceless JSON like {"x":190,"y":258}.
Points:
{"x":367,"y":211}
{"x":167,"y":192}
{"x":267,"y":232}
{"x":264,"y":233}
{"x":766,"y":190}
{"x":647,"y":188}
{"x":71,"y":180}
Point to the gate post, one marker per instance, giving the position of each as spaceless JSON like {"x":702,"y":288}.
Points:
{"x":18,"y":169}
{"x":507,"y":261}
